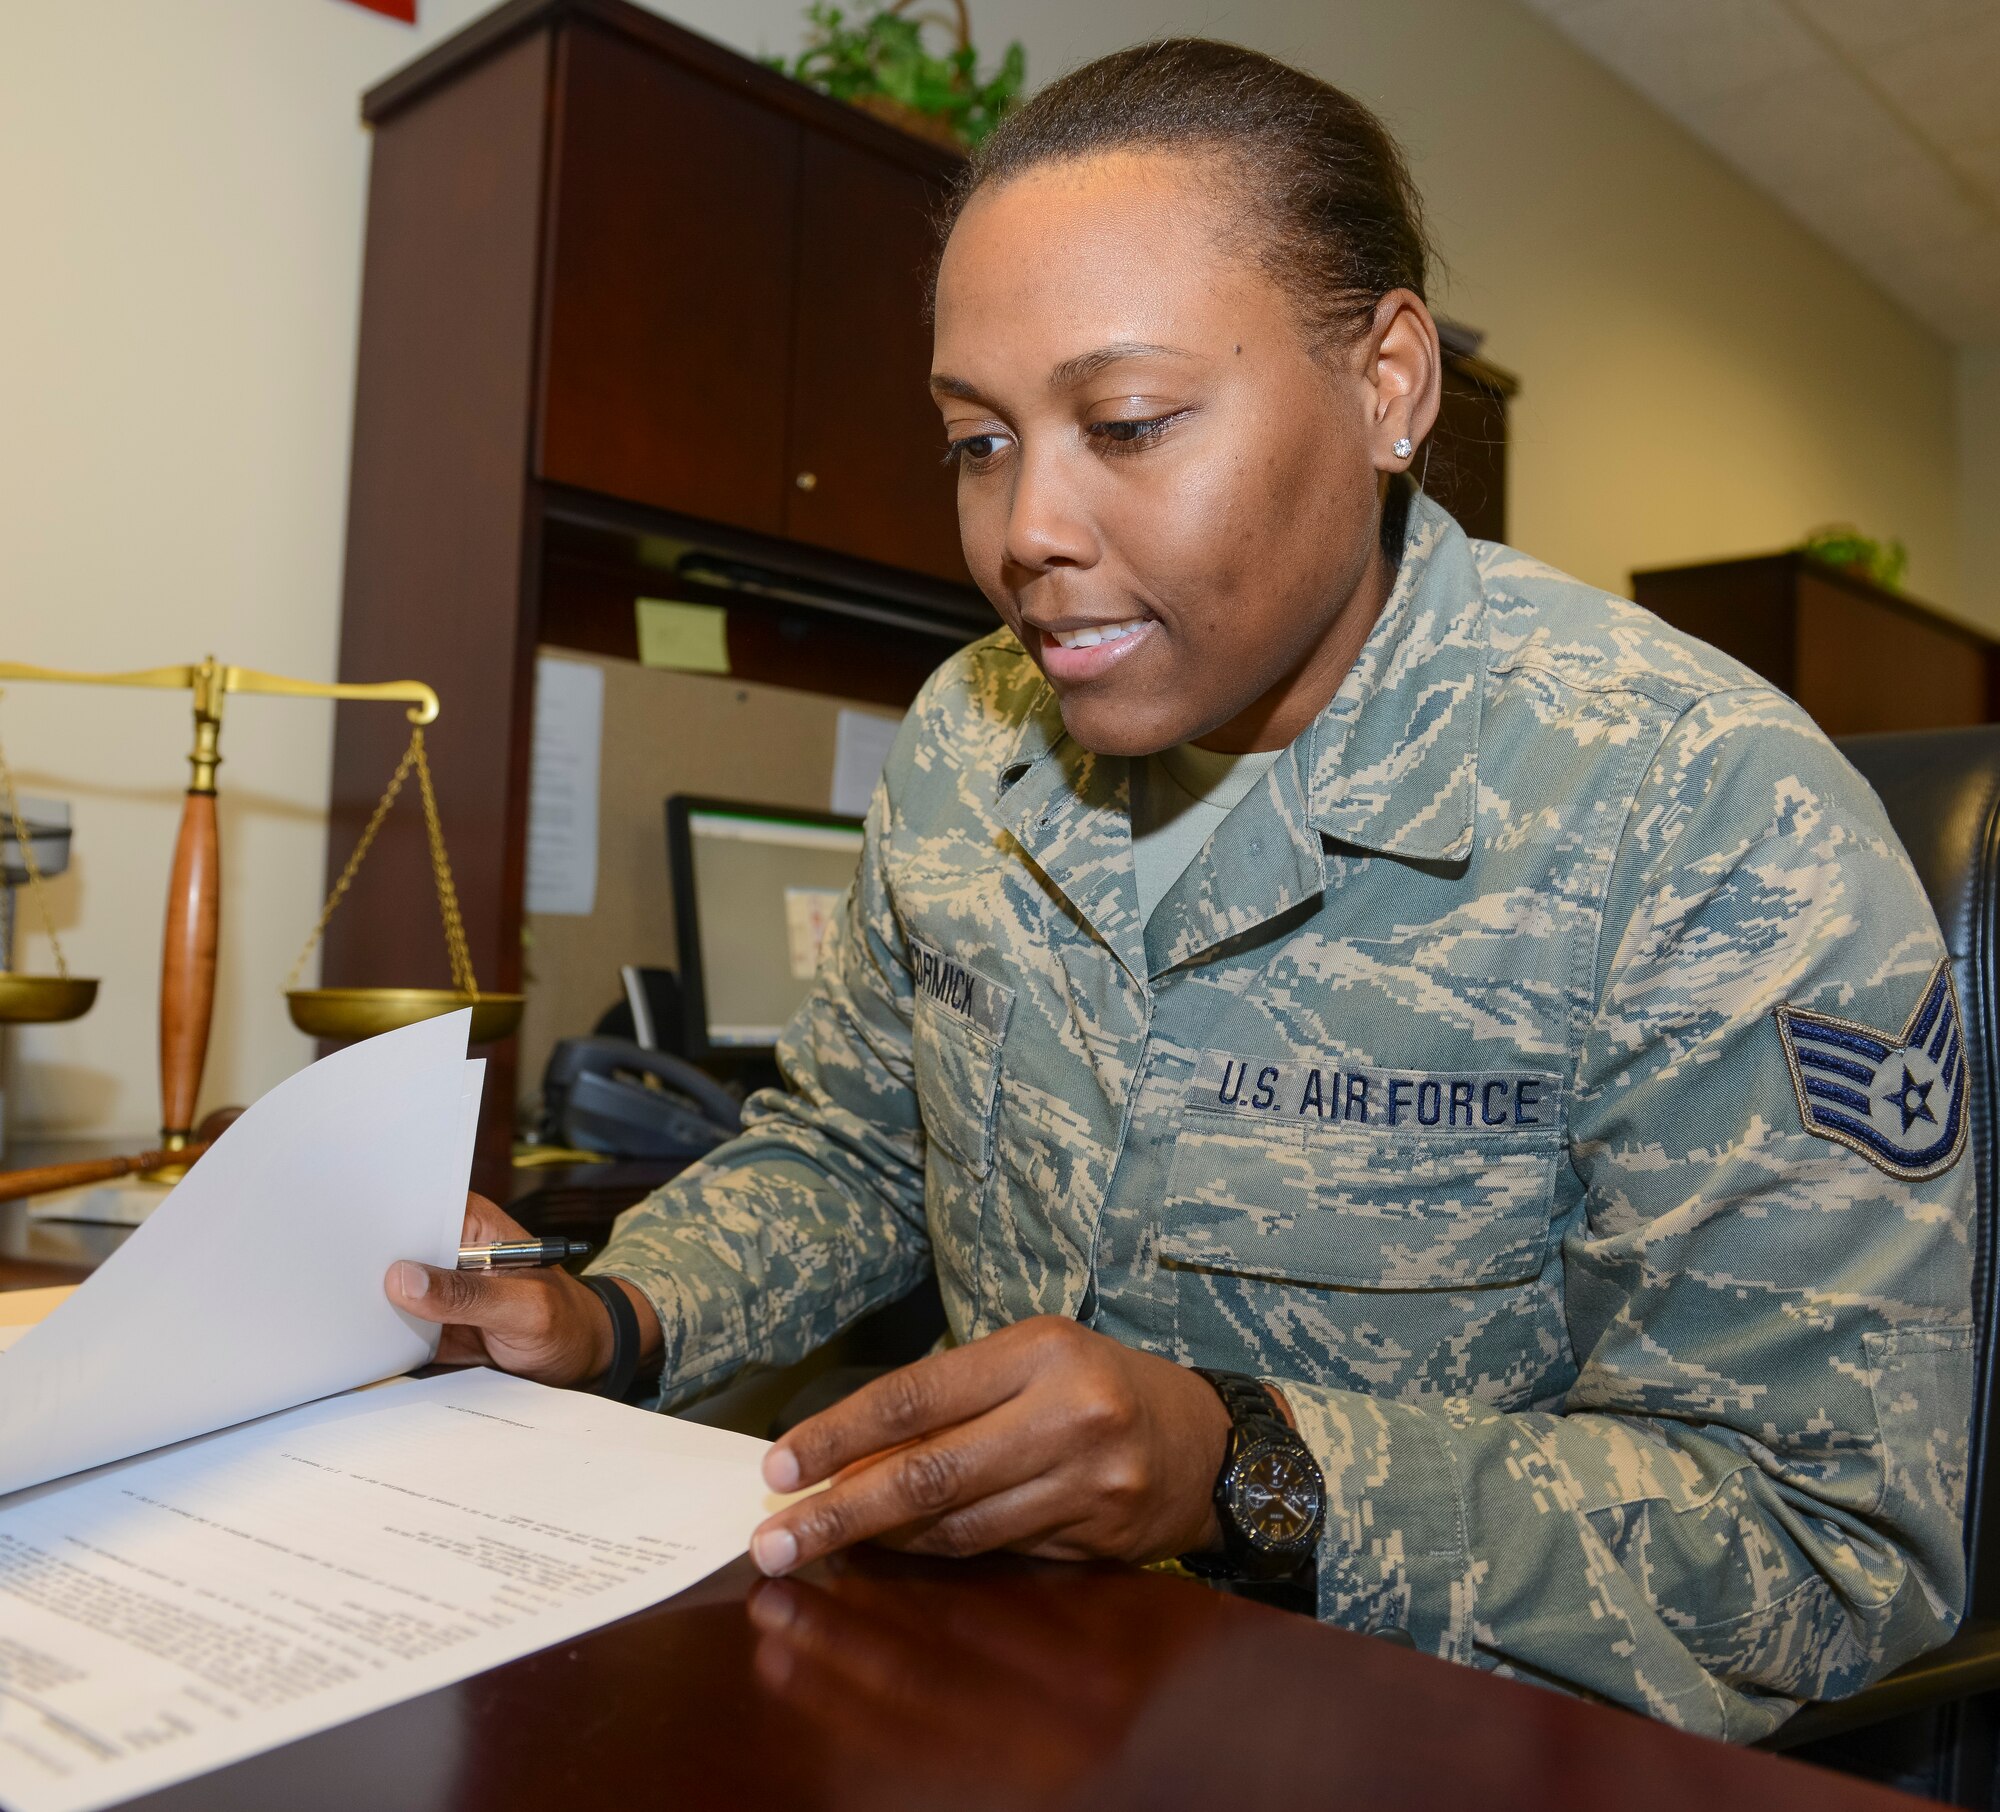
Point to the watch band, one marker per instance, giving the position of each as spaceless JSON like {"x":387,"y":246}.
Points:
{"x":1254,"y":1417}
{"x":625,"y":1342}
{"x":1244,"y":1398}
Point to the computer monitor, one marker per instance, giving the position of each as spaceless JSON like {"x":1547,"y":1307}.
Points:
{"x":756,"y":892}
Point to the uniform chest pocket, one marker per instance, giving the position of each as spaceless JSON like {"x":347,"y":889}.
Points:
{"x":1363,"y":1179}
{"x":1377,"y":1231}
{"x":958,"y":1025}
{"x":958,"y":1085}
{"x":957,"y":1029}
{"x":1358,"y":1208}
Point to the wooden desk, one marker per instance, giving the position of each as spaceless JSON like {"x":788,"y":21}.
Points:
{"x":994,"y":1685}
{"x":898,"y":1683}
{"x":34,"y":1253}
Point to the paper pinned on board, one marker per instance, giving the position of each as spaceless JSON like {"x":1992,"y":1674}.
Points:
{"x":861,"y":744}
{"x":691,"y":638}
{"x":565,"y":763}
{"x":257,"y":1283}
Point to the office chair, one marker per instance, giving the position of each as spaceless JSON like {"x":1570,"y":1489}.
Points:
{"x":1934,"y":1726}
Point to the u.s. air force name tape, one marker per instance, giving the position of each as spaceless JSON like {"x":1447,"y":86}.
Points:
{"x":1457,"y":1102}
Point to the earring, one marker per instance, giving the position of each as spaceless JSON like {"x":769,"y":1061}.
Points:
{"x":1402,"y":448}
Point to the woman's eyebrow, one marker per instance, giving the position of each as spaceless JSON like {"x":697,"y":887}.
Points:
{"x":1089,"y":364}
{"x":1070,"y":372}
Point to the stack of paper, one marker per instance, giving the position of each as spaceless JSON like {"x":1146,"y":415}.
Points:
{"x":169,"y":1613}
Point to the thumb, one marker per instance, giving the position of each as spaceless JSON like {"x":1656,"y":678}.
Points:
{"x":472,"y":1298}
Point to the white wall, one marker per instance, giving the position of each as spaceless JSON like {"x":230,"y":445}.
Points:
{"x":181,"y":194}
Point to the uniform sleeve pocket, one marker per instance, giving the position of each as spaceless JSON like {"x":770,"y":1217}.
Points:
{"x":1359,"y":1208}
{"x":1921,"y":1381}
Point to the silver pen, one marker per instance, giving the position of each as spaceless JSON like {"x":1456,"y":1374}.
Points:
{"x":520,"y":1254}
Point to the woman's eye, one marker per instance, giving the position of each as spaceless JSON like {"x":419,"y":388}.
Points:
{"x":1123,"y":435}
{"x":973,"y":449}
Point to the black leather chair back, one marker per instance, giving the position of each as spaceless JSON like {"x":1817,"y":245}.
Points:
{"x":1942,"y":792}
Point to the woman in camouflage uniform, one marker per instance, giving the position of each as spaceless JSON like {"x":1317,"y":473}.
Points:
{"x":1307,"y":945}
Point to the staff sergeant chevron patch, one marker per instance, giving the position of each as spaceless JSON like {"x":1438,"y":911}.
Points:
{"x":1899,"y":1099}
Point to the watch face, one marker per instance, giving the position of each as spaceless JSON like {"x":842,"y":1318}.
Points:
{"x":1277,"y":1496}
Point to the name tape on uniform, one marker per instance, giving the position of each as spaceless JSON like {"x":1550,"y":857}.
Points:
{"x":1433,"y":1101}
{"x":964,"y":993}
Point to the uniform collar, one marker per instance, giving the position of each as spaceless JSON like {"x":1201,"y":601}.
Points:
{"x":1391,"y":766}
{"x":1392,"y":763}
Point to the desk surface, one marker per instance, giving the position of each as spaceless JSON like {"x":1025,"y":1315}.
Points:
{"x":33,"y":1253}
{"x":998,"y":1684}
{"x":896,"y":1683}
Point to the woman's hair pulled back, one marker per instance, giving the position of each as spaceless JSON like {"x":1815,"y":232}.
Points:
{"x":1339,"y":222}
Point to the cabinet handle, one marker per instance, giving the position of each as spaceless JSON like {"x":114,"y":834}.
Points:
{"x":807,"y":481}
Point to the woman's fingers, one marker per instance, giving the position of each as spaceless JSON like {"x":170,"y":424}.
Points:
{"x":917,"y":1486}
{"x":478,"y":1299}
{"x":1030,"y":1518}
{"x":938,"y":1392}
{"x":485,"y":1222}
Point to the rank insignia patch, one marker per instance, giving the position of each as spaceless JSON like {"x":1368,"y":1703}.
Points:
{"x":1898,"y":1098}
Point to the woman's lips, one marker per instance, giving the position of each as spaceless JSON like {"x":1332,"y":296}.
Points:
{"x":1069,"y":666}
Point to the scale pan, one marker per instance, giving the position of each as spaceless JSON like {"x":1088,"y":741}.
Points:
{"x":362,"y":1012}
{"x":42,"y":999}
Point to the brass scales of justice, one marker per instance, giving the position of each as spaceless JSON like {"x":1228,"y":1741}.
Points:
{"x":194,"y":902}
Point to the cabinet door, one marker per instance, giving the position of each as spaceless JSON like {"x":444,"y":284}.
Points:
{"x":867,"y":474}
{"x":669,"y":310}
{"x":1465,"y":466}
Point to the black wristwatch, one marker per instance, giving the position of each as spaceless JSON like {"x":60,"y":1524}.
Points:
{"x":1270,"y":1496}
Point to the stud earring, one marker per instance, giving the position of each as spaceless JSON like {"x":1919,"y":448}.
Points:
{"x":1402,"y":448}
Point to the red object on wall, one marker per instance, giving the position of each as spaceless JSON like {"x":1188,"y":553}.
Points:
{"x":406,"y":10}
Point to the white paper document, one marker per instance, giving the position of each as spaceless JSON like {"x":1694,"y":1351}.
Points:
{"x":256,"y":1557}
{"x":164,"y":1617}
{"x":257,"y":1283}
{"x":563,"y":772}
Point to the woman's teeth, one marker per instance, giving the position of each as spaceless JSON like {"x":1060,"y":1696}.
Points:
{"x":1099,"y":632}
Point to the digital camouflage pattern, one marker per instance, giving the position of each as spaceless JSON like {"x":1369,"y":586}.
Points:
{"x":1445,"y":1089}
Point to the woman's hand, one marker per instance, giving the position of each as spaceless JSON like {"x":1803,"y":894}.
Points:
{"x":1044,"y":1437}
{"x":540,"y":1324}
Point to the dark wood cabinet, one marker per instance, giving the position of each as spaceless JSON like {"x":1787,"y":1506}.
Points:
{"x":1464,"y":466}
{"x":666,"y":364}
{"x":867,"y":453}
{"x":1856,"y":657}
{"x":736,"y":325}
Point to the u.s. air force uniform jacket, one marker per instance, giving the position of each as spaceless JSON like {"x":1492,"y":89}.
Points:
{"x":1547,"y":1075}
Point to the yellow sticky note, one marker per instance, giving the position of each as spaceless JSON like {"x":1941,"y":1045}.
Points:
{"x":691,"y":637}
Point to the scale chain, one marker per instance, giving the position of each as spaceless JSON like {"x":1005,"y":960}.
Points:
{"x":447,"y":892}
{"x":36,"y":885}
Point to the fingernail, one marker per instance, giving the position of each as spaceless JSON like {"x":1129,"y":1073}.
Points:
{"x":412,"y":1281}
{"x":781,"y":1469}
{"x":776,"y":1551}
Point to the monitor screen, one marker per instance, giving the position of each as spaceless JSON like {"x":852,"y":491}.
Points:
{"x":756,"y":891}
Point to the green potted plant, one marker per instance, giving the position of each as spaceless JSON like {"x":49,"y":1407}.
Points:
{"x":876,"y":59}
{"x":1849,"y":550}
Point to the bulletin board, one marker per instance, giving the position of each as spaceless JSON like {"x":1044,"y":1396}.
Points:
{"x":664,"y":732}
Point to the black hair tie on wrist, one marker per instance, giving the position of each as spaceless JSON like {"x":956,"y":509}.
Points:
{"x":617,"y":1382}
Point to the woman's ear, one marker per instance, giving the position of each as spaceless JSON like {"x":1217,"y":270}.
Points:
{"x":1404,"y":367}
